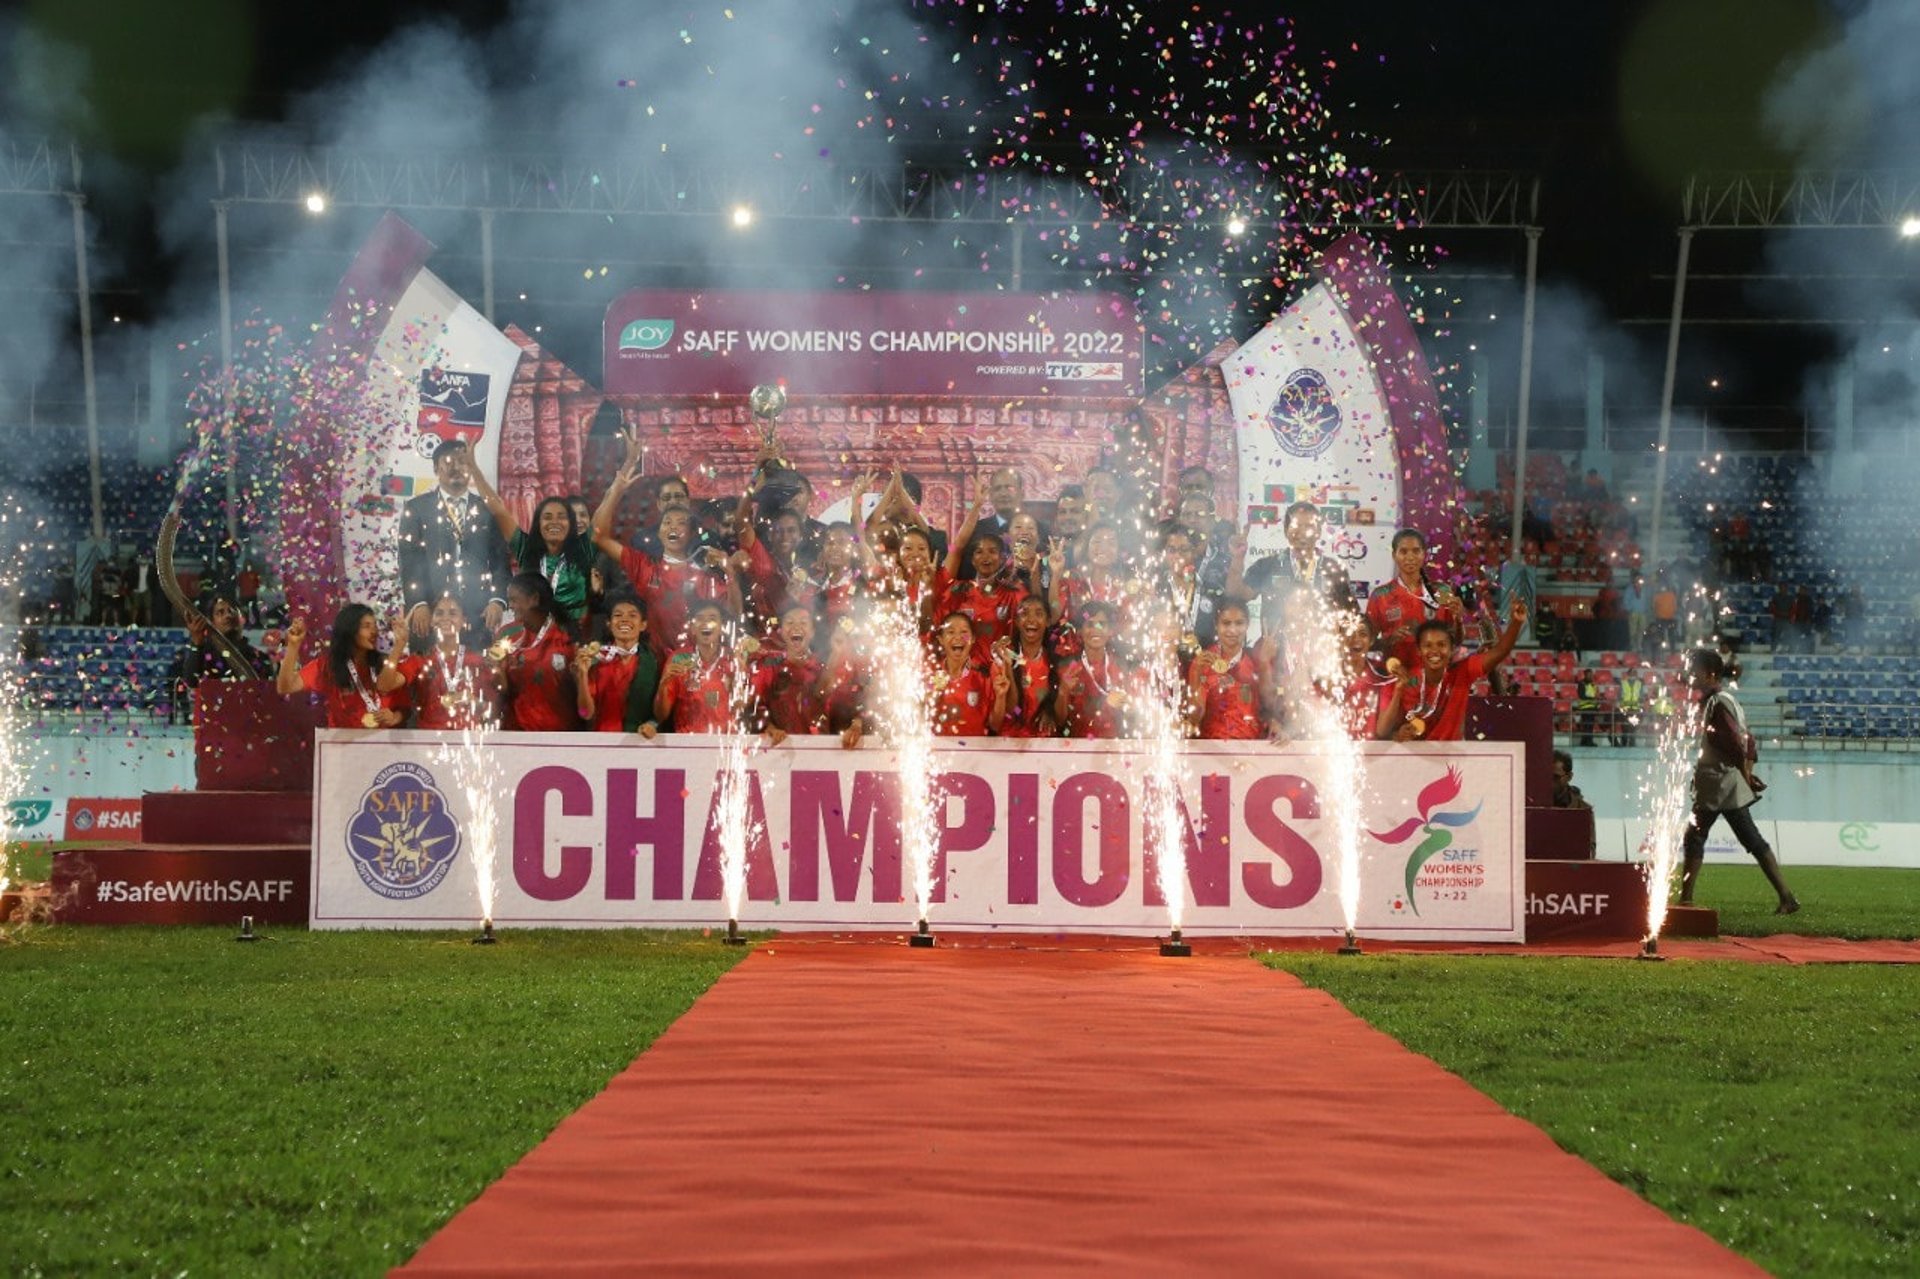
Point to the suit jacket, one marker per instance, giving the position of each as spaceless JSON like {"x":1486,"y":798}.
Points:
{"x":470,"y":562}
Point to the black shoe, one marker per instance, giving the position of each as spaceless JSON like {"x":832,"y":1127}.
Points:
{"x":1787,"y":906}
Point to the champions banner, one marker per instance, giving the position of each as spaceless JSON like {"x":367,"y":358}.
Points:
{"x":663,"y":342}
{"x":1037,"y":837}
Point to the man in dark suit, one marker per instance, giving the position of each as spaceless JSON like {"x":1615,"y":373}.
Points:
{"x":1302,"y":566}
{"x":1007,"y":491}
{"x":449,"y":544}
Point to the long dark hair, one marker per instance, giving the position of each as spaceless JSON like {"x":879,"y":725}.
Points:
{"x":1046,"y":651}
{"x":1399,"y":535}
{"x":967,"y":572}
{"x":542,"y":591}
{"x":346,"y":633}
{"x":573,"y":528}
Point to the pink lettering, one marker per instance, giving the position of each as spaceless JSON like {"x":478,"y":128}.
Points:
{"x":1023,"y":839}
{"x":1292,"y":848}
{"x":1115,"y":818}
{"x":664,"y":832}
{"x":1209,"y":864}
{"x":762,"y":884}
{"x":530,"y":834}
{"x":870,"y":819}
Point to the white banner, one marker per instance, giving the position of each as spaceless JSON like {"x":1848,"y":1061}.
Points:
{"x":439,"y":372}
{"x":1314,"y":426}
{"x":1035,"y":836}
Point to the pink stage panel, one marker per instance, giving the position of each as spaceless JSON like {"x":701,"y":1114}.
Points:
{"x":137,"y":884}
{"x":192,"y":817}
{"x":1585,"y":901}
{"x":248,"y":737}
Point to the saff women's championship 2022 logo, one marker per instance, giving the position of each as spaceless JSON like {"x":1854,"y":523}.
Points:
{"x":404,"y":838}
{"x":1432,"y":823}
{"x":1304,"y":418}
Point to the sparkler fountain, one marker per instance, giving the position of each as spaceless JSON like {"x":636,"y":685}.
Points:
{"x":901,"y":697}
{"x":1159,"y":717}
{"x":733,"y":809}
{"x":1314,"y":684}
{"x":1666,"y":795}
{"x":14,"y":749}
{"x":476,"y":774}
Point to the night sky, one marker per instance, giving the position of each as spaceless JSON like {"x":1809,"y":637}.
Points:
{"x":1611,"y":105}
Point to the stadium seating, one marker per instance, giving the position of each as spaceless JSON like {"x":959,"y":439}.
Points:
{"x":91,"y":670}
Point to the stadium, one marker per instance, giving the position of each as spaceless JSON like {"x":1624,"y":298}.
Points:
{"x":925,"y":579}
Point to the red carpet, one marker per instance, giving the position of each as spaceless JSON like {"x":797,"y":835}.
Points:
{"x":850,"y":1110}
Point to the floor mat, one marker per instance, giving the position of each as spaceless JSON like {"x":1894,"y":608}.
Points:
{"x":863,"y":1109}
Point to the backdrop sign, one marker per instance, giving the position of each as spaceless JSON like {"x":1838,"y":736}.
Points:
{"x":105,"y":819}
{"x":440,"y":373}
{"x":1314,"y":426}
{"x":37,"y":819}
{"x":1040,"y":836}
{"x":662,"y":342}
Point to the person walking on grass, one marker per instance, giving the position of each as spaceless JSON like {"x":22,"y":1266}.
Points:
{"x":1723,"y":781}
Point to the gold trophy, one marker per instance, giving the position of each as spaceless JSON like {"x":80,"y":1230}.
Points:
{"x":767,"y":402}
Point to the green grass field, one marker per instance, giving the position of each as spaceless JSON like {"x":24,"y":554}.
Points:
{"x":1774,"y":1107}
{"x":311,"y":1104}
{"x":320,"y":1103}
{"x":1836,"y":901}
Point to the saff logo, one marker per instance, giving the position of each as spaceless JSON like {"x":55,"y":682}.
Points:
{"x":82,"y":819}
{"x":1304,"y":418}
{"x":646,"y":335}
{"x":25,"y":814}
{"x":1434,"y":825}
{"x":404,"y":838}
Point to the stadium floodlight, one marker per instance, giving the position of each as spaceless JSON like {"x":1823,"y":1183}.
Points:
{"x":742,"y":215}
{"x":1236,"y":226}
{"x":316,"y":203}
{"x":1910,"y":226}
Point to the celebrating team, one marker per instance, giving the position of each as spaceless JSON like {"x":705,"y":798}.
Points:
{"x":754,"y":616}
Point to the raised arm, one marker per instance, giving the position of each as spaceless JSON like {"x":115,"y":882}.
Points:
{"x":1516,"y":620}
{"x":603,"y":536}
{"x":286,"y":681}
{"x":391,"y":676}
{"x":1236,"y":587}
{"x":502,"y":517}
{"x":957,"y":548}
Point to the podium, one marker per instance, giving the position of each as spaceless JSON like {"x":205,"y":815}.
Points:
{"x":1570,"y":895}
{"x":239,"y":844}
{"x":247,"y":737}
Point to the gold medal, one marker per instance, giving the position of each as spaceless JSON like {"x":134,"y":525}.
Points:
{"x":846,"y":625}
{"x":1418,"y":725}
{"x":1116,"y":699}
{"x":940,"y":679}
{"x":1393,"y":666}
{"x":1220,"y":665}
{"x":498,"y":651}
{"x":592,"y":651}
{"x":370,"y":720}
{"x":1190,"y":640}
{"x":749,"y":646}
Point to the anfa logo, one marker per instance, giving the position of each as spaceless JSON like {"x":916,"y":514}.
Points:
{"x":25,"y":814}
{"x":404,"y":839}
{"x":1434,"y":825}
{"x":1303,"y":416}
{"x":646,"y":335}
